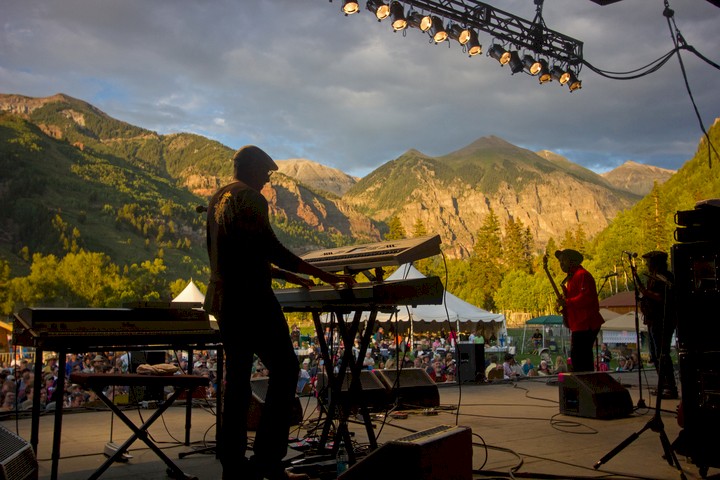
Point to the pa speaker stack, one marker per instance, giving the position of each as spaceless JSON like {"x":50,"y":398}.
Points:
{"x":373,"y":394}
{"x":409,"y":387}
{"x":593,"y":395}
{"x":440,"y":453}
{"x":471,"y":366}
{"x":259,"y":387}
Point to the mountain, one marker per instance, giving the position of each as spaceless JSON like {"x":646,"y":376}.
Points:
{"x":452,"y":194}
{"x":79,"y":175}
{"x":78,"y":178}
{"x":636,"y":177}
{"x":317,"y":176}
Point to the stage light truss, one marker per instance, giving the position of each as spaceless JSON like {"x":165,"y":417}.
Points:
{"x":506,"y":27}
{"x":461,"y":20}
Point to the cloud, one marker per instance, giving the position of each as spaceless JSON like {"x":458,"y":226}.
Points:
{"x":303,"y":80}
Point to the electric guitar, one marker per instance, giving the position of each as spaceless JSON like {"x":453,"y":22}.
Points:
{"x":555,"y":288}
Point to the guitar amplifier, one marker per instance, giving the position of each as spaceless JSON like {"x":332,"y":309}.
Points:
{"x":439,"y":453}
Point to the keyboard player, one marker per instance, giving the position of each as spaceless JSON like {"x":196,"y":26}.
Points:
{"x":244,"y":255}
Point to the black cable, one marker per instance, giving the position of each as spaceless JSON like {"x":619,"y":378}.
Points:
{"x":678,"y":40}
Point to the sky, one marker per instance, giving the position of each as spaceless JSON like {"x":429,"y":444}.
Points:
{"x":301,"y":80}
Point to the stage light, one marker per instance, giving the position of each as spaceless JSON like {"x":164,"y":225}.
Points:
{"x":500,"y":54}
{"x":473,"y":44}
{"x":573,"y":82}
{"x":544,"y":74}
{"x":418,"y":20}
{"x":456,"y":32}
{"x":379,"y":8}
{"x":398,"y":16}
{"x":559,"y":75}
{"x":438,"y":30}
{"x":350,"y":7}
{"x":531,"y":65}
{"x":516,"y":65}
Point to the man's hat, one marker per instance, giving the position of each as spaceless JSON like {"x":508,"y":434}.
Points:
{"x":571,"y":255}
{"x":656,"y":255}
{"x":252,"y":156}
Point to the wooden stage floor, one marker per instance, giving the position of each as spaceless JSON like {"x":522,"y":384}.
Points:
{"x":518,"y":432}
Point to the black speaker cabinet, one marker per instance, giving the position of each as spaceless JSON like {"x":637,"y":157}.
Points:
{"x":439,"y":453}
{"x":412,"y":388}
{"x":17,"y":459}
{"x":150,"y":357}
{"x":259,"y":388}
{"x":373,"y":394}
{"x":593,"y":395}
{"x":471,"y":362}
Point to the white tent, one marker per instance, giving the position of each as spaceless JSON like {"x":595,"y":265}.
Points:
{"x":453,"y":309}
{"x":620,"y":328}
{"x":190,"y":294}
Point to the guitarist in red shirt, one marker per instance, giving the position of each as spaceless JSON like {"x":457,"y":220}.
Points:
{"x":581,"y":308}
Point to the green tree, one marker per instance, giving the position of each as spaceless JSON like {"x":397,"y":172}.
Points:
{"x":486,"y":270}
{"x":419,"y":229}
{"x":396,"y":230}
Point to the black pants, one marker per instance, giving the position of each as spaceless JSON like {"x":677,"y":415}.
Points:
{"x":257,"y":327}
{"x":581,"y":350}
{"x":660,"y":341}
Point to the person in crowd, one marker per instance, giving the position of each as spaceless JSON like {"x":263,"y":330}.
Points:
{"x":244,"y":256}
{"x":510,"y":372}
{"x":659,"y":314}
{"x":368,"y":360}
{"x":537,"y":339}
{"x":527,"y":366}
{"x":560,"y":365}
{"x":622,"y":365}
{"x":437,"y":373}
{"x":304,"y":377}
{"x":492,"y":364}
{"x":581,"y":309}
{"x":605,"y":358}
{"x":544,"y":369}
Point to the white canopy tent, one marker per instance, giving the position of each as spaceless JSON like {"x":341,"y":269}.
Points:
{"x":190,"y":294}
{"x":453,"y":310}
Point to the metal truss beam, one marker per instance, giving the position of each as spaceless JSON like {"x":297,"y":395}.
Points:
{"x":508,"y":28}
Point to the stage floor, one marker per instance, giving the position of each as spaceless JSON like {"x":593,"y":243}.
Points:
{"x":517,"y":431}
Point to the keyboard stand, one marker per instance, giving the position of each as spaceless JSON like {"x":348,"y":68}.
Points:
{"x":181,"y":383}
{"x":339,"y":405}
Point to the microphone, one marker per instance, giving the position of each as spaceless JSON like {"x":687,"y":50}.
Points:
{"x":614,"y":274}
{"x":630,"y":254}
{"x":201,"y":209}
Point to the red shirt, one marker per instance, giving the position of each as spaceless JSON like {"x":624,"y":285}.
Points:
{"x":581,"y":301}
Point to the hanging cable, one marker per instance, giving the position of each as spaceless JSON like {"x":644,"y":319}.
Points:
{"x":679,"y":41}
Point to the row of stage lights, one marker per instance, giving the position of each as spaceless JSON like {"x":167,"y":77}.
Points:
{"x":466,"y":37}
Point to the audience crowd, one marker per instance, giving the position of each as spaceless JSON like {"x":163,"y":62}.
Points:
{"x":434,"y":353}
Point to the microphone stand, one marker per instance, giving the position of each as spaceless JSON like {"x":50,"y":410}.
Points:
{"x":631,"y":259}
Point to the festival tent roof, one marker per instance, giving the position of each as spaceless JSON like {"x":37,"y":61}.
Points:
{"x":190,"y":294}
{"x":453,"y":308}
{"x":546,"y":320}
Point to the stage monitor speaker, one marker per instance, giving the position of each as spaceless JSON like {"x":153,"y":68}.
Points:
{"x":373,"y":395}
{"x":471,"y":362}
{"x":413,"y":387}
{"x":259,"y":387}
{"x":593,"y":395}
{"x":17,"y":459}
{"x":150,"y":357}
{"x":440,"y":453}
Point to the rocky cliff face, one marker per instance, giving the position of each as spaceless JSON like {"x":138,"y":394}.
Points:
{"x":317,"y":176}
{"x":547,"y":199}
{"x":636,"y":177}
